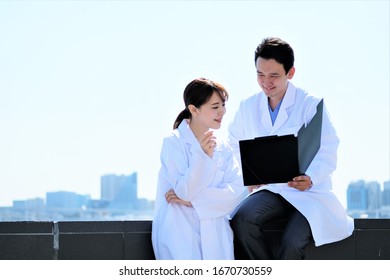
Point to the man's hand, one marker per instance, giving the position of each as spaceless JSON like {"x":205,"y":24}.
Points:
{"x":302,"y":183}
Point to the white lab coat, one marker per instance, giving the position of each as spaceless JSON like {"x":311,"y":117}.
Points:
{"x":327,"y":217}
{"x":214,"y":187}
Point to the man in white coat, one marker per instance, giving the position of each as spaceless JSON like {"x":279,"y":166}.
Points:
{"x":307,"y":202}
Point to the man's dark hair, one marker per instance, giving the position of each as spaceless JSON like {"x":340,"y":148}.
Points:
{"x":276,"y":48}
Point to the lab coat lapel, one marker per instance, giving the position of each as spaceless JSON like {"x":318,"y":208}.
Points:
{"x":264,"y":114}
{"x":188,"y":136}
{"x":288,"y":101}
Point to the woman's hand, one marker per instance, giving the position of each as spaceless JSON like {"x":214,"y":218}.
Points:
{"x":208,"y":142}
{"x":171,"y":197}
{"x":302,"y":183}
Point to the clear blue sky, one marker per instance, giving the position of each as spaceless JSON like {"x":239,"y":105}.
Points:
{"x":89,"y":88}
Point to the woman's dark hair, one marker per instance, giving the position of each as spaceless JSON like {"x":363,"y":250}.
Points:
{"x":197,"y":93}
{"x":276,"y":48}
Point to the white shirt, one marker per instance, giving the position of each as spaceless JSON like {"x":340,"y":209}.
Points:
{"x":214,"y":187}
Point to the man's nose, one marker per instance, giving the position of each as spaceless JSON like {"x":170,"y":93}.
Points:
{"x":267,"y":80}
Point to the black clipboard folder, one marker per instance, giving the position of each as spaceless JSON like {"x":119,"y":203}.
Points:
{"x":278,"y":159}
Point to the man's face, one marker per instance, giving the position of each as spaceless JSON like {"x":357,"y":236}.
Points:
{"x":272,"y":77}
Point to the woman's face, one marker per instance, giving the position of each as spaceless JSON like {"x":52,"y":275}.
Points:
{"x":211,"y":113}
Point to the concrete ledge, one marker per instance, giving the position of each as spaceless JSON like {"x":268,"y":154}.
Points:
{"x":372,"y":238}
{"x":27,"y":241}
{"x":131,"y":240}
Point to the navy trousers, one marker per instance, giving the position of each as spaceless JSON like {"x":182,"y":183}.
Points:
{"x":248,"y":226}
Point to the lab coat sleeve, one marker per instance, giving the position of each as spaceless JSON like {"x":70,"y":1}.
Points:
{"x":186,"y":174}
{"x":222,"y":199}
{"x":325,"y":162}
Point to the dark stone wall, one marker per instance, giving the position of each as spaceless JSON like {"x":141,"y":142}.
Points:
{"x":26,"y":241}
{"x":131,"y":240}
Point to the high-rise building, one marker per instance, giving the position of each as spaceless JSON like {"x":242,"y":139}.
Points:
{"x":367,"y":200}
{"x":374,"y":195}
{"x":357,"y":197}
{"x":363,"y":195}
{"x":386,"y":194}
{"x":119,"y":190}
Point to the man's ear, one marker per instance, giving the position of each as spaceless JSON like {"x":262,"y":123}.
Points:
{"x":291,"y":73}
{"x":193,"y":110}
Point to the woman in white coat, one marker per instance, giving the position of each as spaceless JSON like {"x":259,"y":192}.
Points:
{"x":199,"y":182}
{"x":307,"y":202}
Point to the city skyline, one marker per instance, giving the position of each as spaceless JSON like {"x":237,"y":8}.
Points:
{"x":358,"y":181}
{"x":92,"y":87}
{"x":106,"y":189}
{"x":119,"y":201}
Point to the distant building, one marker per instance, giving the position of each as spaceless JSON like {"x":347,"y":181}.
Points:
{"x":367,"y":200}
{"x":119,"y":190}
{"x":374,"y":195}
{"x":386,"y":194}
{"x":97,"y":204}
{"x":35,"y":203}
{"x":66,"y":200}
{"x":119,"y":200}
{"x":357,"y":196}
